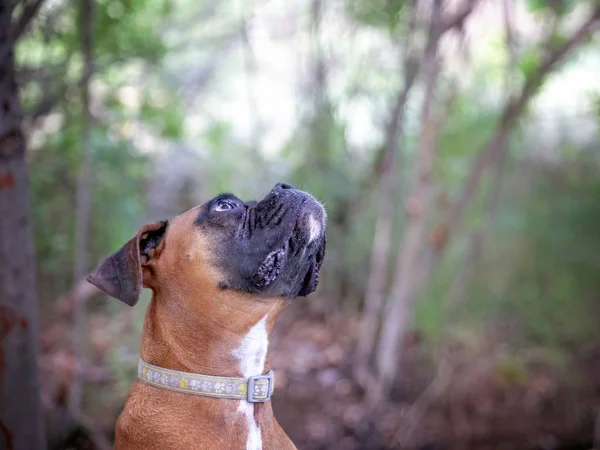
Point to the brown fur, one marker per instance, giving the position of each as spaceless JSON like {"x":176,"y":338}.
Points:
{"x":193,"y":325}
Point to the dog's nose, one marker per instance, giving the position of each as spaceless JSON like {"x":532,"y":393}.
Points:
{"x":280,"y":185}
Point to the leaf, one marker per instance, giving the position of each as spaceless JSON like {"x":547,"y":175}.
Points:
{"x":536,"y":5}
{"x":529,"y":62}
{"x":558,"y":7}
{"x":378,"y":13}
{"x":557,"y":40}
{"x":168,"y":121}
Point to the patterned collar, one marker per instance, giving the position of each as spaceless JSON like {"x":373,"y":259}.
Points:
{"x":254,"y":389}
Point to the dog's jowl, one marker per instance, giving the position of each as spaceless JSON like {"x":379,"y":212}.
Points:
{"x":220,"y":274}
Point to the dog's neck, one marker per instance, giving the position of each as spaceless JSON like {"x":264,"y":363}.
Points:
{"x":226,"y":336}
{"x":229,"y":339}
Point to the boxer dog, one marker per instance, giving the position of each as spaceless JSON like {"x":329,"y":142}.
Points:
{"x":220,"y":274}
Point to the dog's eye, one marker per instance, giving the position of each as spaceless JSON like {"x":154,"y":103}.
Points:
{"x":224,"y":206}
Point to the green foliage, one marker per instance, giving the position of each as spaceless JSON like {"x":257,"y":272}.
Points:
{"x":127,"y":29}
{"x":540,"y":266}
{"x":117,"y":200}
{"x":324,"y":167}
{"x":558,"y":7}
{"x":168,"y":122}
{"x":125,"y":34}
{"x":463,"y":135}
{"x":530,"y":62}
{"x":379,"y":13}
{"x":557,"y":40}
{"x":541,"y":269}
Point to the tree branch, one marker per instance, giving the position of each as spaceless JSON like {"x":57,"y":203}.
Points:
{"x":458,"y":19}
{"x":29,"y":12}
{"x":47,"y":103}
{"x":511,"y":113}
{"x":494,"y":150}
{"x":511,"y":45}
{"x":394,"y":326}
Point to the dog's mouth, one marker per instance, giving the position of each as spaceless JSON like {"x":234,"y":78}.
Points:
{"x":269,"y":269}
{"x":305,"y":244}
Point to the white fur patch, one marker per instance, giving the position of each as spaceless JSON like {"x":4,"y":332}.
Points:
{"x":252,"y":354}
{"x":252,"y":351}
{"x":254,"y":439}
{"x":314,"y":228}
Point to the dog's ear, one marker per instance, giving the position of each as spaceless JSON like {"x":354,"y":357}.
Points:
{"x":120,"y":274}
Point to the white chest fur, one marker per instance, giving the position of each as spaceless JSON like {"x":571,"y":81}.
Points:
{"x":252,"y":353}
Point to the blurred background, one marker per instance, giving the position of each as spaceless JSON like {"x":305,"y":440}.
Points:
{"x":454,"y":144}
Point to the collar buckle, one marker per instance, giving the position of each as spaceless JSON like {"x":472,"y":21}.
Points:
{"x":260,"y":388}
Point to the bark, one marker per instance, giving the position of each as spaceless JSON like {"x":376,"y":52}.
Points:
{"x":82,"y":208}
{"x":416,"y":224}
{"x":21,"y":415}
{"x":388,"y":188}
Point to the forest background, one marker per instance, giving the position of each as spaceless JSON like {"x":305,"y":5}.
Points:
{"x":454,"y":144}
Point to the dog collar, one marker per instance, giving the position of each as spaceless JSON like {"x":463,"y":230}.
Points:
{"x":256,"y":389}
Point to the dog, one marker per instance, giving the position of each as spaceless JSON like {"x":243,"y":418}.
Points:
{"x":220,"y":274}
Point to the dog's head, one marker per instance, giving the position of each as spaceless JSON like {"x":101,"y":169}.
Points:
{"x":271,"y":248}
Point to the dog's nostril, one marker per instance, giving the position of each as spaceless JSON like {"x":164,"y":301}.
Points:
{"x":284,"y":186}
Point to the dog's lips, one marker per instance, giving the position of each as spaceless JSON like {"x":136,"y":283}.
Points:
{"x":269,"y":269}
{"x":305,"y":231}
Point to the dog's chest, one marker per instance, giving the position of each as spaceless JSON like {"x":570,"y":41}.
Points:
{"x":252,"y":354}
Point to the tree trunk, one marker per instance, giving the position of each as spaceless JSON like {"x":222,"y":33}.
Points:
{"x":21,"y":414}
{"x":82,"y":208}
{"x":388,"y":187}
{"x":418,"y":206}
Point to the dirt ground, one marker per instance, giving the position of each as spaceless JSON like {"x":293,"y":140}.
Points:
{"x":448,"y":397}
{"x":475,"y":402}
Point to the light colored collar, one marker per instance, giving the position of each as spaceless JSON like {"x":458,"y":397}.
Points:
{"x":253,"y":389}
